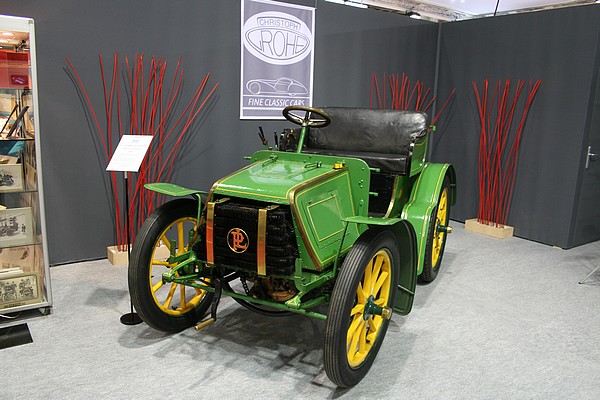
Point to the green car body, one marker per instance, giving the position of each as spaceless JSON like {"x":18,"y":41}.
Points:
{"x":325,"y":202}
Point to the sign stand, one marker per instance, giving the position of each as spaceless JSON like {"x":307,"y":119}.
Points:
{"x":128,"y":157}
{"x":132,"y":318}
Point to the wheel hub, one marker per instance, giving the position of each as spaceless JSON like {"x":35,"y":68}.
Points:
{"x":373,"y":309}
{"x":444,"y":228}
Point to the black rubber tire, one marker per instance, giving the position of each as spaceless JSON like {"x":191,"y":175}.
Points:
{"x":140,"y":273}
{"x":343,"y":300}
{"x":430,"y":267}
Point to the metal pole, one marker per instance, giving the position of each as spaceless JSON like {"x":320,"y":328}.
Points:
{"x":132,"y":318}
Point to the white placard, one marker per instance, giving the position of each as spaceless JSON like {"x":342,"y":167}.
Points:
{"x":130,"y":153}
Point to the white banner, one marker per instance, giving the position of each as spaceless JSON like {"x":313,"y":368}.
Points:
{"x":277,"y":58}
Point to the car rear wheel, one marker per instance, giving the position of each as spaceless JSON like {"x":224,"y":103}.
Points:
{"x":436,"y":237}
{"x":169,"y":307}
{"x":360,"y":308}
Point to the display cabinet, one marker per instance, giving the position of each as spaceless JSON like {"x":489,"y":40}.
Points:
{"x":24,"y":268}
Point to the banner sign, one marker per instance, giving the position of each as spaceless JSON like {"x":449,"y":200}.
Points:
{"x":277,"y":58}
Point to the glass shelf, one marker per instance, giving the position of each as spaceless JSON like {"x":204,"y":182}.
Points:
{"x":24,"y":269}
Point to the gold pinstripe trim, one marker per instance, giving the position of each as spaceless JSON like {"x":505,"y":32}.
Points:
{"x":312,"y":222}
{"x":210,"y":221}
{"x":261,"y":243}
{"x":424,"y":232}
{"x":210,"y":217}
{"x":393,"y":200}
{"x":301,"y":227}
{"x":315,"y":183}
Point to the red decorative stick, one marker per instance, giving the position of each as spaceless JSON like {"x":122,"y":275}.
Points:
{"x":146,"y":112}
{"x":499,"y":147}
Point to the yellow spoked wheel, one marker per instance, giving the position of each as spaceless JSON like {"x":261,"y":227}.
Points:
{"x":361,"y":304}
{"x":436,"y":237}
{"x":169,"y":307}
{"x":372,"y":292}
{"x":439,"y":236}
{"x":172,"y":298}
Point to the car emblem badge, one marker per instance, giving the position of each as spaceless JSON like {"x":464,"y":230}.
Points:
{"x":237,"y":240}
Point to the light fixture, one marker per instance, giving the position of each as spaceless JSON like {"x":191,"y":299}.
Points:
{"x":356,"y":4}
{"x":351,"y":3}
{"x":414,"y":15}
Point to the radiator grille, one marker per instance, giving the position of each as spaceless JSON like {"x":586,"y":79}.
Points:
{"x":236,"y":238}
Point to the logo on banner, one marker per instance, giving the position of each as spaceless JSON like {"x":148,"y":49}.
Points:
{"x":277,"y":38}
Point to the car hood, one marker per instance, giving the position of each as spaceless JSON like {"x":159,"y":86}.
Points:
{"x":273,"y":177}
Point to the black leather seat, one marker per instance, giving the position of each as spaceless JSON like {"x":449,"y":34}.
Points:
{"x":382,"y":138}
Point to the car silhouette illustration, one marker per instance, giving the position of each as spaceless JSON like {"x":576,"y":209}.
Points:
{"x":287,"y":86}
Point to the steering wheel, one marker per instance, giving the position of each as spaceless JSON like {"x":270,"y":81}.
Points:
{"x":306,"y":120}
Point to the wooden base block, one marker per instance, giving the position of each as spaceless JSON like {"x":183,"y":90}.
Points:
{"x":117,"y":258}
{"x":504,"y":232}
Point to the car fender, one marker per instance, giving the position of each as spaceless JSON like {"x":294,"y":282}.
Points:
{"x":171,"y":189}
{"x":423,"y":200}
{"x":407,"y":246}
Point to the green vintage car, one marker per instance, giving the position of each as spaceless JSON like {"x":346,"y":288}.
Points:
{"x":344,"y":211}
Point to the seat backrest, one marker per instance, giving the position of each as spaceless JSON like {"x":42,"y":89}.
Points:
{"x":368,"y":130}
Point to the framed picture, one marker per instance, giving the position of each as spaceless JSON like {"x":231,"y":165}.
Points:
{"x":18,"y":289}
{"x":16,"y":227}
{"x":25,"y":258}
{"x":11,"y":178}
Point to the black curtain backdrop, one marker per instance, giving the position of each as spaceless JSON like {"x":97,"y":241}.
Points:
{"x":559,"y":47}
{"x":351,"y":44}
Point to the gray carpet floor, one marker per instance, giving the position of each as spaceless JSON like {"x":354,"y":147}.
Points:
{"x":505,"y":319}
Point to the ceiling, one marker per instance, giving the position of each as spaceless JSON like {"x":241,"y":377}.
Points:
{"x":454,"y":10}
